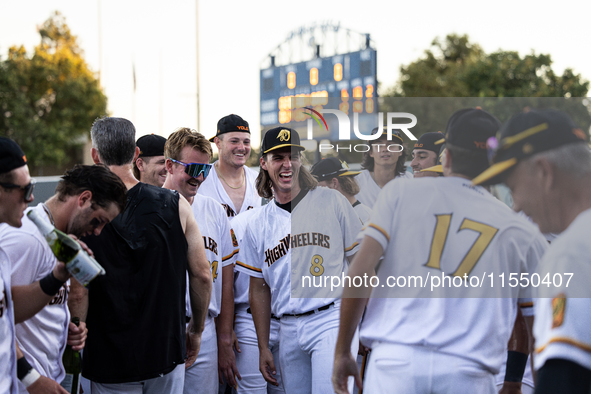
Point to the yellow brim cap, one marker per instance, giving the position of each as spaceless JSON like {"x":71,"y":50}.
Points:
{"x":490,"y":176}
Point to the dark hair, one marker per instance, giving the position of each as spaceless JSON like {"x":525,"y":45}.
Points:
{"x":368,"y":162}
{"x":7,"y":177}
{"x":264,"y":184}
{"x":114,"y":140}
{"x":348,"y":185}
{"x":105,"y":186}
{"x":467,"y":162}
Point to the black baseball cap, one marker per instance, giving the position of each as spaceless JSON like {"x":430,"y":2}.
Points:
{"x":151,"y":145}
{"x":438,"y":167}
{"x":395,"y":134}
{"x":231,"y":123}
{"x":427,"y":141}
{"x":524,"y":135}
{"x":470,"y":128}
{"x":11,"y":155}
{"x":331,"y":167}
{"x":281,"y":137}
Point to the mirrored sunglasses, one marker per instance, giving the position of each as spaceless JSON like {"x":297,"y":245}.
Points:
{"x":194,"y":169}
{"x":28,"y":189}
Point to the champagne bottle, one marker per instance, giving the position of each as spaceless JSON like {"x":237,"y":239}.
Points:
{"x":71,"y":361}
{"x":82,"y":267}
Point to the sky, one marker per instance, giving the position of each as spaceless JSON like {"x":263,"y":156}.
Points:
{"x":159,"y":40}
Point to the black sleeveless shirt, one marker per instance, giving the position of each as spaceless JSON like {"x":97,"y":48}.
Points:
{"x":136,"y":312}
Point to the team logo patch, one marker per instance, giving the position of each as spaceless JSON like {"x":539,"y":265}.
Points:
{"x":284,"y":135}
{"x":234,"y":240}
{"x":558,"y":307}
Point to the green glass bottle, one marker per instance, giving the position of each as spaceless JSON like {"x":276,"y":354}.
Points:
{"x":82,"y":267}
{"x":72,"y":364}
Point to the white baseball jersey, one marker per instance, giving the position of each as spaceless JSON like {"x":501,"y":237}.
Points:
{"x":241,"y":280}
{"x":221,"y":246}
{"x":7,"y":350}
{"x":212,"y":187}
{"x":561,"y":326}
{"x":43,"y":337}
{"x":316,"y":236}
{"x":369,"y":189}
{"x":446,"y":226}
{"x":363,"y":211}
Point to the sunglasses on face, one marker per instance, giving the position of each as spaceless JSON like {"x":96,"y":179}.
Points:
{"x":194,"y":169}
{"x":28,"y":189}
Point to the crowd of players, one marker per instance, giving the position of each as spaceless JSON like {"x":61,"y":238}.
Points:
{"x":205,"y":286}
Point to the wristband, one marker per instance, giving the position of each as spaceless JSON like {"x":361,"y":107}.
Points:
{"x":25,"y":373}
{"x":50,"y":284}
{"x":516,"y":363}
{"x":31,"y":378}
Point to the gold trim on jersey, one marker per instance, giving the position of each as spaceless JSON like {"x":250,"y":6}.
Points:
{"x":240,"y":263}
{"x":526,"y":304}
{"x":568,"y":341}
{"x":381,"y":230}
{"x":351,"y":247}
{"x":230,"y":255}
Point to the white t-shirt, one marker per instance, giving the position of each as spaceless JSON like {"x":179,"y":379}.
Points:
{"x":369,"y":189}
{"x":221,"y":246}
{"x":440,"y":227}
{"x":212,"y":187}
{"x":7,"y":350}
{"x":561,"y":326}
{"x":43,"y":337}
{"x":290,"y":250}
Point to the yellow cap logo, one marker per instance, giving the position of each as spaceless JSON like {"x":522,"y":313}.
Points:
{"x":284,"y":135}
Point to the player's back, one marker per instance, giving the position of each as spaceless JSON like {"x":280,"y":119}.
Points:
{"x":443,"y":238}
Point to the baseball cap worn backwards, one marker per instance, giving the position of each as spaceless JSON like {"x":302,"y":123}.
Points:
{"x":281,"y":137}
{"x":470,"y":128}
{"x":151,"y":145}
{"x":524,"y":135}
{"x":231,"y":123}
{"x":427,"y":141}
{"x":330,"y":168}
{"x":11,"y":155}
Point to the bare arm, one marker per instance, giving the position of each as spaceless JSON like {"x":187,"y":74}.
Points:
{"x":42,"y":385}
{"x":519,"y":342}
{"x":352,"y":306}
{"x":30,"y":299}
{"x":226,"y":356}
{"x":259,"y":296}
{"x":199,"y":280}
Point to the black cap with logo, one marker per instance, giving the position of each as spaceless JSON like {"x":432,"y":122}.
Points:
{"x":427,"y":141}
{"x":524,"y":135}
{"x":151,"y":145}
{"x":331,"y":167}
{"x":281,"y":137}
{"x":11,"y":155}
{"x":231,"y":123}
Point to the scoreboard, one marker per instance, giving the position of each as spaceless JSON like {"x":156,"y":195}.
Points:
{"x":286,"y":90}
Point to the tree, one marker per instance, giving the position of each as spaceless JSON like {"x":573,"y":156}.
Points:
{"x":49,"y":100}
{"x":463,"y":74}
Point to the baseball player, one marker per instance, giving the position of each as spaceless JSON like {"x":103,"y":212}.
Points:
{"x":438,"y":345}
{"x":306,"y":233}
{"x":86,"y":199}
{"x":230,"y":181}
{"x":425,"y":155}
{"x":335,"y":174}
{"x":383,"y":163}
{"x":149,"y":166}
{"x":247,"y":358}
{"x":545,"y":161}
{"x":187,"y":162}
{"x":19,"y":303}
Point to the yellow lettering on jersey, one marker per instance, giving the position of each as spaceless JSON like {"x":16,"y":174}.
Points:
{"x":485,"y":237}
